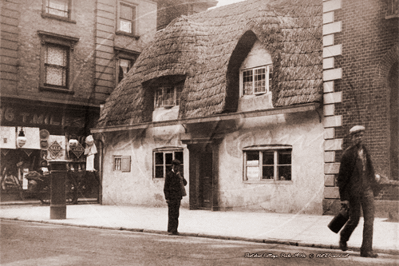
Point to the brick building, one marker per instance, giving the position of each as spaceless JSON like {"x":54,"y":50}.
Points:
{"x":60,"y":59}
{"x":360,"y":61}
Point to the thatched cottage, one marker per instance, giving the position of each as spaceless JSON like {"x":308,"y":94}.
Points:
{"x":235,"y":93}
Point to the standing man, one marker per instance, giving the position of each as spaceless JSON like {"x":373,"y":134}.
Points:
{"x":173,"y":196}
{"x":356,"y":181}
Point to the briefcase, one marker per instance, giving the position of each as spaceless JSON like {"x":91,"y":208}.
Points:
{"x":339,"y":220}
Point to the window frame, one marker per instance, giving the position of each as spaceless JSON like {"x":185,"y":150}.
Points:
{"x":392,"y":9}
{"x":69,"y":18}
{"x":134,"y":21}
{"x":165,"y":150}
{"x":176,"y":94}
{"x":268,"y":76}
{"x":121,"y":166}
{"x":121,"y":53}
{"x":276,"y":165}
{"x":67,"y":42}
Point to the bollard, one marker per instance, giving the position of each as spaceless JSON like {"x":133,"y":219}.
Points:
{"x":58,"y":171}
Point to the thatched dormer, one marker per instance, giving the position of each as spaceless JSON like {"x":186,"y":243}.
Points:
{"x":207,"y":50}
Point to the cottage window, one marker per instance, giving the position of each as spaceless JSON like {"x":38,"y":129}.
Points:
{"x":56,"y":57}
{"x":255,"y":80}
{"x":127,"y":19}
{"x":168,"y":95}
{"x":162,"y":161}
{"x":273,"y":163}
{"x":122,"y":163}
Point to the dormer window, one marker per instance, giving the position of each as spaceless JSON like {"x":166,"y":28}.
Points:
{"x":255,"y":80}
{"x":167,"y":95}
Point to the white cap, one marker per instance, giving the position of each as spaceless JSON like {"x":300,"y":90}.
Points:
{"x":356,"y":129}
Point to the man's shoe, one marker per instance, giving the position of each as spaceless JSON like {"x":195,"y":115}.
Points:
{"x":369,"y":254}
{"x":173,"y":233}
{"x":343,"y":246}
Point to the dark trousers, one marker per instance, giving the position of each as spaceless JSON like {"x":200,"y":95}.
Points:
{"x":173,"y":215}
{"x":364,"y":200}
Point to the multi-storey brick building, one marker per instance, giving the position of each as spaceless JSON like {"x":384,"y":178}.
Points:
{"x":60,"y":59}
{"x":360,"y":60}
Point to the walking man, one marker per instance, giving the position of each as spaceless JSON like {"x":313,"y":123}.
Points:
{"x":356,"y":181}
{"x":173,"y":195}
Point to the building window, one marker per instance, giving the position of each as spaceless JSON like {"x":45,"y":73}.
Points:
{"x":255,"y":80}
{"x":168,"y":95}
{"x":162,"y":161}
{"x":56,"y":57}
{"x":56,"y":65}
{"x":124,"y":65}
{"x":122,"y":163}
{"x":267,"y":164}
{"x":127,"y":19}
{"x":58,"y":7}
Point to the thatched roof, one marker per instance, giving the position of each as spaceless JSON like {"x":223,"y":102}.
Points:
{"x":208,"y":48}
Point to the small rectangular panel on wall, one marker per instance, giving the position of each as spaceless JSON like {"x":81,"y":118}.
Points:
{"x":329,"y":180}
{"x":335,"y":97}
{"x":333,"y":144}
{"x":332,"y":5}
{"x":331,"y":192}
{"x":331,"y":168}
{"x":333,"y":121}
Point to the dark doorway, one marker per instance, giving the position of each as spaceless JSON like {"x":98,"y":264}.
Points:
{"x":205,"y":181}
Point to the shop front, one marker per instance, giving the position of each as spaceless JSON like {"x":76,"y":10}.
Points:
{"x":32,"y":135}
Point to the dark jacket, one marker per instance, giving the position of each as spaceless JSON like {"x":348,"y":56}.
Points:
{"x":172,"y":187}
{"x":349,"y":179}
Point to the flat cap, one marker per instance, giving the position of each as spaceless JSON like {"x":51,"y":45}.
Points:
{"x":355,"y":129}
{"x":176,"y":162}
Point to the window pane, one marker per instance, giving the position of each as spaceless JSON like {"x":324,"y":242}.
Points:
{"x":179,"y":89}
{"x":284,"y":157}
{"x":179,"y":156}
{"x":55,"y":76}
{"x":270,"y":77}
{"x":159,"y":171}
{"x":268,"y":157}
{"x":126,"y":12}
{"x":284,"y":173}
{"x":125,"y":26}
{"x":159,"y":158}
{"x":252,"y":165}
{"x":168,"y":96}
{"x":247,"y":82}
{"x":260,"y":80}
{"x":268,"y":172}
{"x":158,"y":97}
{"x":56,"y":56}
{"x":168,"y":158}
{"x":57,"y":7}
{"x":253,"y":156}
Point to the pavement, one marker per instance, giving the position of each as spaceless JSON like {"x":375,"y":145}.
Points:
{"x":263,"y":227}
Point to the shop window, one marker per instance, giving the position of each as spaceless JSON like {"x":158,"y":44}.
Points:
{"x":56,"y":57}
{"x":268,"y":163}
{"x":162,"y":161}
{"x":255,"y":80}
{"x":126,"y":19}
{"x":167,"y":95}
{"x":122,"y":163}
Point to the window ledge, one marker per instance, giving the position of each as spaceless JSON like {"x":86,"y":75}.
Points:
{"x":392,"y":16}
{"x":45,"y":15}
{"x":127,"y":34}
{"x":54,"y":89}
{"x":278,"y":182}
